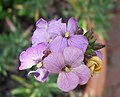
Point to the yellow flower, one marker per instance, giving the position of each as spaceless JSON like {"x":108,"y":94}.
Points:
{"x":95,"y":64}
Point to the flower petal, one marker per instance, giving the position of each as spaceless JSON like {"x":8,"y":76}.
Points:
{"x":40,"y":74}
{"x":27,"y":64}
{"x":57,"y":29}
{"x":54,"y":62}
{"x":41,"y":23}
{"x":72,"y":25}
{"x":55,"y":20}
{"x":73,"y":56}
{"x":83,"y":72}
{"x":67,"y":81}
{"x":78,"y":41}
{"x":31,"y":56}
{"x":58,"y":44}
{"x":40,"y":35}
{"x":99,"y":54}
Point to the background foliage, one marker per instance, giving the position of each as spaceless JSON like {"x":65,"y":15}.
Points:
{"x":17,"y":22}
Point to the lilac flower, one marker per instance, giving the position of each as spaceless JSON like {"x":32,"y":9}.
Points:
{"x":65,"y":36}
{"x":32,"y":56}
{"x":99,"y":54}
{"x":40,"y":74}
{"x":40,"y":34}
{"x":69,"y":66}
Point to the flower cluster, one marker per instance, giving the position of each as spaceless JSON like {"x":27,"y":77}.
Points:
{"x":63,"y":49}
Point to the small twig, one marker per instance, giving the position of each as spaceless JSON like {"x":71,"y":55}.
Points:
{"x":72,"y":94}
{"x":10,"y":25}
{"x":27,"y":31}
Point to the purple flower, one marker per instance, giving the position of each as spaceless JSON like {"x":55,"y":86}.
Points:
{"x":41,"y":23}
{"x":32,"y":56}
{"x":99,"y":54}
{"x":40,"y":34}
{"x":69,"y":66}
{"x":65,"y":36}
{"x":40,"y":74}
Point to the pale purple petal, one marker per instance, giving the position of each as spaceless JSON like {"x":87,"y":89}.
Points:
{"x":31,"y":56}
{"x":67,"y":81}
{"x":83,"y":72}
{"x":99,"y":54}
{"x":40,"y":35}
{"x":72,"y":25}
{"x":55,"y":20}
{"x":57,"y":29}
{"x":58,"y":44}
{"x":26,"y":61}
{"x":73,"y":56}
{"x":40,"y":74}
{"x":54,"y":62}
{"x":78,"y":41}
{"x":41,"y":23}
{"x":36,"y":52}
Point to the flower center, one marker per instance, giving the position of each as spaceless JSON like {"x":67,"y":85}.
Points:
{"x":66,"y":35}
{"x":46,"y":27}
{"x":49,"y":39}
{"x":39,"y":65}
{"x":66,"y":69}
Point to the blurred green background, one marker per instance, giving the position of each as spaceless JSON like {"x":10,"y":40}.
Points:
{"x":17,"y":22}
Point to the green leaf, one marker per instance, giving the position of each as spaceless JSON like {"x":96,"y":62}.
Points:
{"x":20,"y":90}
{"x":21,"y":80}
{"x":90,"y":52}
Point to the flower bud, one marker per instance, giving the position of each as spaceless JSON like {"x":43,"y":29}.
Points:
{"x":95,"y":64}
